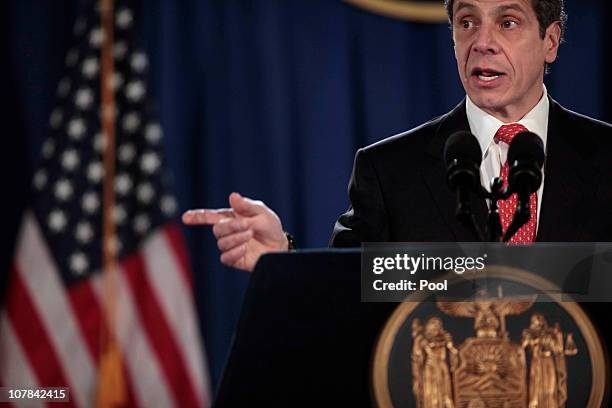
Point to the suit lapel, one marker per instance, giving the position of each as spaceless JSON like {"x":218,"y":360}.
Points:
{"x":434,"y":173}
{"x":570,"y":179}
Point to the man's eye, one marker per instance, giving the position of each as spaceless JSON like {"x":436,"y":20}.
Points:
{"x":509,"y":24}
{"x":467,"y":24}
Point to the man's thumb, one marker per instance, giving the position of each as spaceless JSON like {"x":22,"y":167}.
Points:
{"x":245,"y":206}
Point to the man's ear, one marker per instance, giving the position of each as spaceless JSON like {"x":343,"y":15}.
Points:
{"x":552,"y":40}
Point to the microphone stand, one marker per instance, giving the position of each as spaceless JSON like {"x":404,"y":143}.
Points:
{"x":468,"y":220}
{"x":494,"y":226}
{"x":494,"y":230}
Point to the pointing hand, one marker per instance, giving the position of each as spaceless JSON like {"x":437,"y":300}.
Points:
{"x":244,"y":232}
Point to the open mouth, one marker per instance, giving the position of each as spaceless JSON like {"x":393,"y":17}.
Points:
{"x":486,"y":75}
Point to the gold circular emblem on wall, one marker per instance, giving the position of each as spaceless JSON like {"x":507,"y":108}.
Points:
{"x":493,"y":350}
{"x":422,"y":11}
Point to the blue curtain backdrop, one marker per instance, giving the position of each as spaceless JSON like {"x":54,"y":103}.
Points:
{"x":270,"y":98}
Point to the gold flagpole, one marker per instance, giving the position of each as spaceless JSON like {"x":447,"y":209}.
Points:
{"x":111,"y":384}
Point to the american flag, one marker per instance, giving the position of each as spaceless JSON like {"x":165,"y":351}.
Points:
{"x":50,"y":327}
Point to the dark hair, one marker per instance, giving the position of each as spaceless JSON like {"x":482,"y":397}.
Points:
{"x":547,"y":11}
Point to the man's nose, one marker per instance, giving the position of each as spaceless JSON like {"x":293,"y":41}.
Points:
{"x":486,"y":40}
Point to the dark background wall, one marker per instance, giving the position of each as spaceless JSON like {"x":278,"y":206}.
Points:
{"x":270,"y":98}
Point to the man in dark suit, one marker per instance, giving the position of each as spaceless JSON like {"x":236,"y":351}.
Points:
{"x":398,"y":190}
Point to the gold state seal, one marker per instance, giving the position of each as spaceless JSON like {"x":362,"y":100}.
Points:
{"x":488,"y":364}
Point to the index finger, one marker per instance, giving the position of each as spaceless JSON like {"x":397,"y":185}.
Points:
{"x":207,"y":216}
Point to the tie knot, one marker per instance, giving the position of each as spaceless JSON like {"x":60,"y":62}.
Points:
{"x":507,"y":132}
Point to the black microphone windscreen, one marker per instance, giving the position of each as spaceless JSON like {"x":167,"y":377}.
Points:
{"x":462,"y":146}
{"x":526,"y":146}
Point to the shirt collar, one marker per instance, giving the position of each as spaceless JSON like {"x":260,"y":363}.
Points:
{"x":484,"y":126}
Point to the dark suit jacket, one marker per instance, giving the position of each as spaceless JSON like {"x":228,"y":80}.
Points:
{"x":398,"y":188}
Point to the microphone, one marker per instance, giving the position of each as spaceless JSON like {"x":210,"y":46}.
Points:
{"x":525,"y":158}
{"x":462,"y":155}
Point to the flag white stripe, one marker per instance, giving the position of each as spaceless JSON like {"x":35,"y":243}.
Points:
{"x":176,"y":300}
{"x":41,"y":278}
{"x":146,"y":377}
{"x":15,"y":369}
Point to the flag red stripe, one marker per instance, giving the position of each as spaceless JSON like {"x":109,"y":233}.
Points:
{"x":159,"y":333}
{"x":174,"y":237}
{"x":33,"y":336}
{"x":86,"y":309}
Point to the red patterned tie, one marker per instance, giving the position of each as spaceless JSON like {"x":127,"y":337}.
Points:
{"x":507,"y":208}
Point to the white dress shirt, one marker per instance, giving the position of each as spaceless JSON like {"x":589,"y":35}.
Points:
{"x":485,"y":126}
